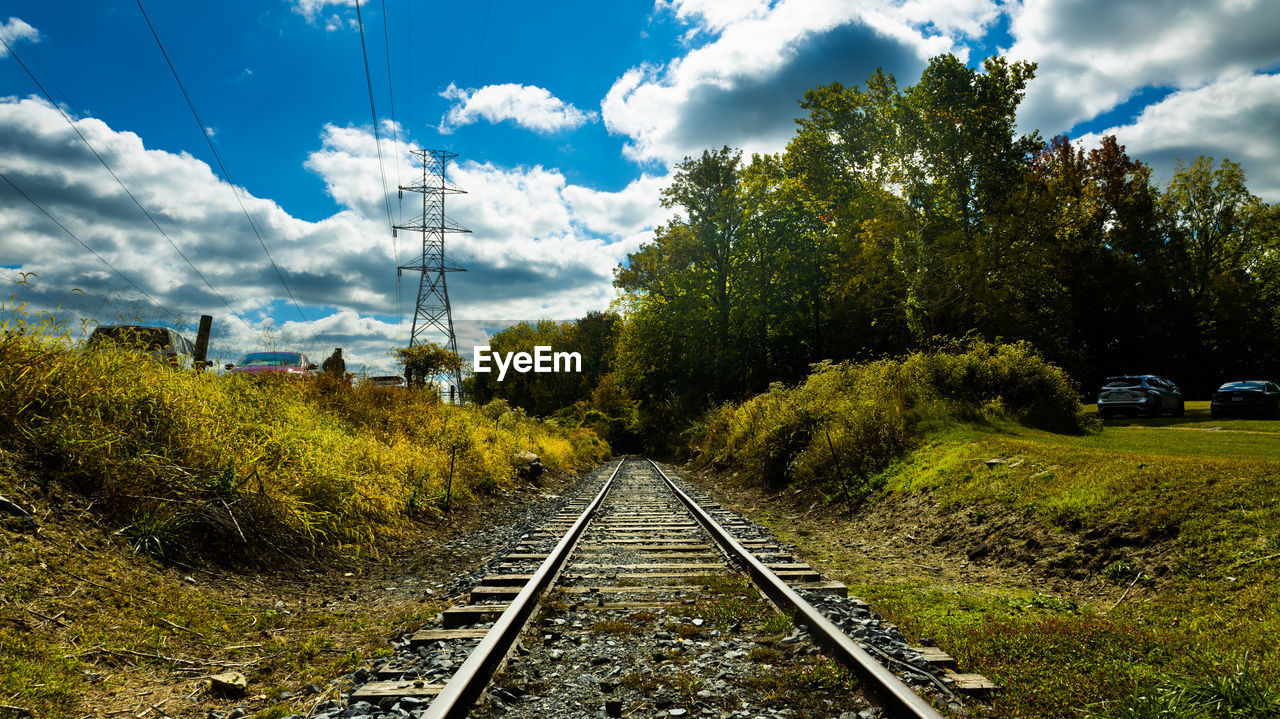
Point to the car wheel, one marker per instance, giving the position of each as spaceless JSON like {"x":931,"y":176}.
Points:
{"x":1215,"y":414}
{"x":1181,"y":410}
{"x":1105,"y":413}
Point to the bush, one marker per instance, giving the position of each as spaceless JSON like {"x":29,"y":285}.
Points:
{"x":236,"y":464}
{"x":847,"y":422}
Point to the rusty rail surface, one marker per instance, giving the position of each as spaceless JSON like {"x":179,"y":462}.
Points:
{"x":894,"y":695}
{"x":469,"y":682}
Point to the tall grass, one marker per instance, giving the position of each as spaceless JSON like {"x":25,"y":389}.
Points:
{"x":204,"y":462}
{"x":849,"y":421}
{"x":1242,"y":694}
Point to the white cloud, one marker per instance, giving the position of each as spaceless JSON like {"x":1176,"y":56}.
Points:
{"x":969,"y":18}
{"x":312,"y":8}
{"x":15,"y":30}
{"x":624,"y":213}
{"x":1093,"y":55}
{"x":526,"y":105}
{"x":542,"y":247}
{"x":1236,"y":118}
{"x":741,"y":87}
{"x":715,"y":15}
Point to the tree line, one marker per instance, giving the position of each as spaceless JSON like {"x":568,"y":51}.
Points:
{"x":897,"y":216}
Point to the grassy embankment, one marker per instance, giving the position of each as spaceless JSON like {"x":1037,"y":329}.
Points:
{"x":1129,"y":571}
{"x":121,"y":458}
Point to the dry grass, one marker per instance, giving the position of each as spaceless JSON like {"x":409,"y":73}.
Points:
{"x":206,"y":464}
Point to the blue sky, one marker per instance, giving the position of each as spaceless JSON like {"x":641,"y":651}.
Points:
{"x":567,"y":118}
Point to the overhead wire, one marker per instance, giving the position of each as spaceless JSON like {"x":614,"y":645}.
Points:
{"x":110,"y":152}
{"x":373,"y":112}
{"x":377,"y":136}
{"x":25,"y":286}
{"x":226,"y":173}
{"x":395,"y":241}
{"x":120,"y":182}
{"x":103,"y":260}
{"x":408,"y":43}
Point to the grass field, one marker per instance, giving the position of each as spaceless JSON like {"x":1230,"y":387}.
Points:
{"x":191,"y":523}
{"x":1129,"y":573}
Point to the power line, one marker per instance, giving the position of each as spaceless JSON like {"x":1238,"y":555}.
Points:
{"x":377,"y":137}
{"x":395,"y":137}
{"x":408,"y":43}
{"x":101,"y":259}
{"x":218,"y":157}
{"x":114,"y":176}
{"x":26,"y":286}
{"x":395,"y":242}
{"x":110,"y":153}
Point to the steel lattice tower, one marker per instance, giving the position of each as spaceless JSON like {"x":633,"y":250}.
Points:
{"x":433,"y":315}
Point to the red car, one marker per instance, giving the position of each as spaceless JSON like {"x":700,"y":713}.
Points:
{"x":289,"y":363}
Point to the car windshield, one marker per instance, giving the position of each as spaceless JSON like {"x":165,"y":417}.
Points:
{"x":147,"y":338}
{"x":270,"y":359}
{"x":1240,"y":385}
{"x":1123,"y":382}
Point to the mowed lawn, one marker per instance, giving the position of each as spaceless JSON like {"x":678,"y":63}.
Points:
{"x":1193,"y":506}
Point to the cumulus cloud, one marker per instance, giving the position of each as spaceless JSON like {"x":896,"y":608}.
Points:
{"x":740,"y":88}
{"x":1094,"y":54}
{"x":1236,"y":118}
{"x":541,"y":247}
{"x":14,"y":30}
{"x":310,"y":9}
{"x":528,"y":106}
{"x":715,"y":15}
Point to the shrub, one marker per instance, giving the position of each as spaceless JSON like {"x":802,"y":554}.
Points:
{"x":235,"y":464}
{"x":847,"y":421}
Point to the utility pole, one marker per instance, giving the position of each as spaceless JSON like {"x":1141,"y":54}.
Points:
{"x":433,"y":315}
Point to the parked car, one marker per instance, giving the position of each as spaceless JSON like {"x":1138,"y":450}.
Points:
{"x":1139,"y":393}
{"x":391,"y":380}
{"x":288,"y":363}
{"x":161,"y":343}
{"x":1258,"y":397}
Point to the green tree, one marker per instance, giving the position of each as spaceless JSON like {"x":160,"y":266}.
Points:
{"x":593,"y":337}
{"x":1222,"y":238}
{"x":425,"y":361}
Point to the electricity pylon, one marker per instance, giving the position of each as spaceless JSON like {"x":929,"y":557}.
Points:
{"x":434,"y":316}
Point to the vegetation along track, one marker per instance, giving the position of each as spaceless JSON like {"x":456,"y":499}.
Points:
{"x":642,"y":598}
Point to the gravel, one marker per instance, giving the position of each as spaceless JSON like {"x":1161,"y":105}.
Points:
{"x":669,"y":665}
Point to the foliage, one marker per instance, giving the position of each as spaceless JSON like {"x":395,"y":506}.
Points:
{"x":591,"y":399}
{"x":240,"y":464}
{"x":896,"y":215}
{"x":1242,"y":694}
{"x":1191,"y":515}
{"x":427,"y":360}
{"x":849,"y":421}
{"x":542,"y":394}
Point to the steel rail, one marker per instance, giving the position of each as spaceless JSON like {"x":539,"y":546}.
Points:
{"x":469,"y":682}
{"x":897,"y":697}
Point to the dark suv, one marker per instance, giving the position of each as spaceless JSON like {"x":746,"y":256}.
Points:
{"x":1246,"y":397}
{"x":1134,"y":393}
{"x":162,"y":343}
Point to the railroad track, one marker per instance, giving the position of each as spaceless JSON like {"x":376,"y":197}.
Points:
{"x":643,"y":597}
